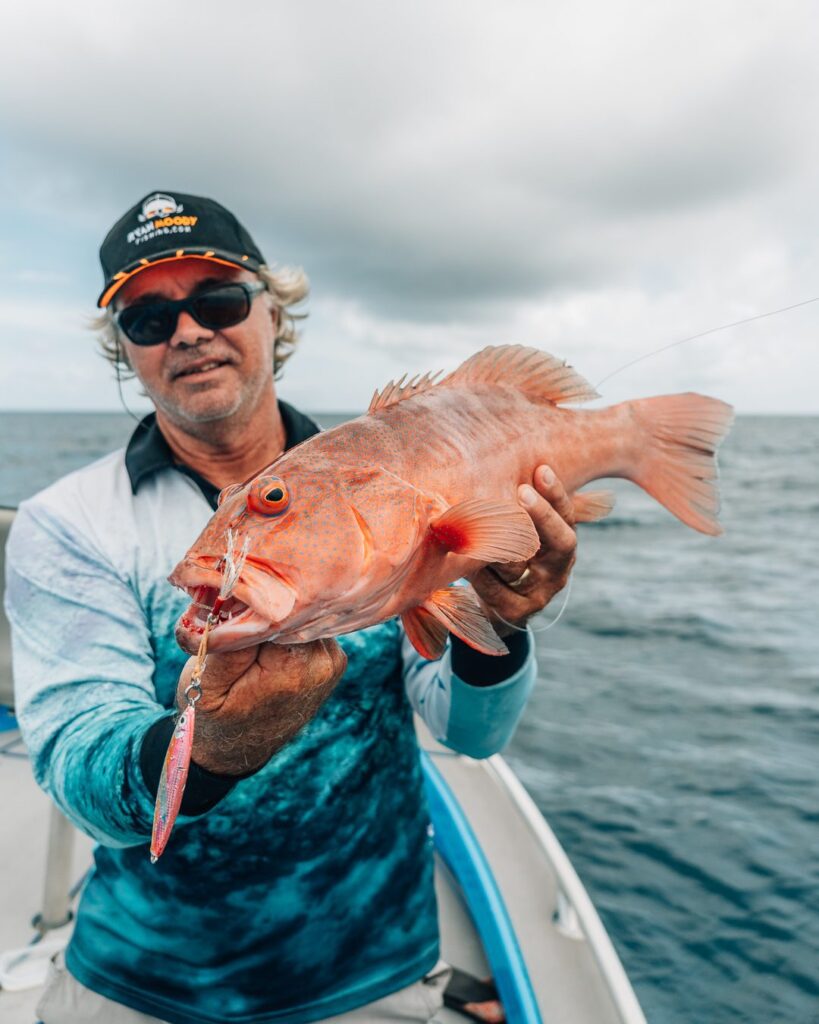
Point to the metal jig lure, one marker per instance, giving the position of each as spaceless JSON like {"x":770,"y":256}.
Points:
{"x":178,"y":758}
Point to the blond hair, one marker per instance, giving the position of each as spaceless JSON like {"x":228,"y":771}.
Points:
{"x":287,"y":285}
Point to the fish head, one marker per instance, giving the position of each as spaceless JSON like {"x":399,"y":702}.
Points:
{"x":314,"y":539}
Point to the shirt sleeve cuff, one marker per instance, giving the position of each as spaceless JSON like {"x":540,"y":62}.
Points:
{"x":482,"y":720}
{"x":203,"y":789}
{"x":478,"y":669}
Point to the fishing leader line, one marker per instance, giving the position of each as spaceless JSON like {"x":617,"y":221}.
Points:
{"x":555,"y":620}
{"x":632,"y":363}
{"x":703,"y":334}
{"x":118,"y":373}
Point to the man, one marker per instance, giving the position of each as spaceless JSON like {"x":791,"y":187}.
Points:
{"x":297,"y":885}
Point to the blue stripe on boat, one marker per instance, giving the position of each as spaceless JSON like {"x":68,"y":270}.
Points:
{"x":459,"y":847}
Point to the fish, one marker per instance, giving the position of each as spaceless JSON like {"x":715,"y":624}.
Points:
{"x":391,"y":513}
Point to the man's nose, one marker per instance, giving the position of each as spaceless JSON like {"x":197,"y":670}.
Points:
{"x":188,"y":332}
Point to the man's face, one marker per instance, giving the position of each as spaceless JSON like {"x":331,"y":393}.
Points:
{"x":201,"y":375}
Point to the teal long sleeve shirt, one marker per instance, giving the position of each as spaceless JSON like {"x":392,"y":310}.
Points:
{"x":307,"y":890}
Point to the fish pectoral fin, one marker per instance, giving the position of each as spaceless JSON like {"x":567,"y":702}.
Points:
{"x":589,"y":506}
{"x":459,"y":609}
{"x":489,"y":531}
{"x":426,"y":634}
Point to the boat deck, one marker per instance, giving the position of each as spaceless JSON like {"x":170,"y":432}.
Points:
{"x":23,"y":854}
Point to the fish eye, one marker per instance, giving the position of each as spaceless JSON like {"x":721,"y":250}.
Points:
{"x":268,"y":496}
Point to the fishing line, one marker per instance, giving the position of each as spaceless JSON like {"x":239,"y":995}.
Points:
{"x":703,"y":334}
{"x":118,"y":374}
{"x":554,"y":622}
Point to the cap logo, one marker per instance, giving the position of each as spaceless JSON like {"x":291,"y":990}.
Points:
{"x":161,"y":215}
{"x":159,"y":205}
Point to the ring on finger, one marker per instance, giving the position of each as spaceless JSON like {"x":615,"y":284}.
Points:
{"x":524,"y":576}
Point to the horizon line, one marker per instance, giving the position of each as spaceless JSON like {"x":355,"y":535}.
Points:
{"x":319,"y":412}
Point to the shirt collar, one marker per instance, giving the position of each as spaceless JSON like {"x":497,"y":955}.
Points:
{"x":148,"y":451}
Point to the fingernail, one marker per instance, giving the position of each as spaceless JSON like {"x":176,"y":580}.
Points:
{"x":547,"y":477}
{"x":527,"y":495}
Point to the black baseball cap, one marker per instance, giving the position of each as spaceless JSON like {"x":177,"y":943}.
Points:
{"x":172,"y":226}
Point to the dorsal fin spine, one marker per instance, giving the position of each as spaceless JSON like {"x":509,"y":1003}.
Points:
{"x":536,"y":373}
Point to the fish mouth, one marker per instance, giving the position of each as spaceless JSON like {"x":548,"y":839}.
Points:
{"x":253,"y":613}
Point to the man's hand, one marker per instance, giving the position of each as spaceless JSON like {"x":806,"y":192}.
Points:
{"x":255,"y":700}
{"x":548,"y":572}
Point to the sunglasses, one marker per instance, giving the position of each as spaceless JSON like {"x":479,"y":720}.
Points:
{"x":153,"y":323}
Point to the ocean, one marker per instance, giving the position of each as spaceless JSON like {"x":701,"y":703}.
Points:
{"x":673,"y":739}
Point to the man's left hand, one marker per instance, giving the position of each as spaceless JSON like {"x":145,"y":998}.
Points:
{"x":544,"y":575}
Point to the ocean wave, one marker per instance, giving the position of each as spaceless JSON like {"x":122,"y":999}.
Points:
{"x":690,"y":628}
{"x":618,"y":522}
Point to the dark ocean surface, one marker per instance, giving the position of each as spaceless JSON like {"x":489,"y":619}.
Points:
{"x":673,"y":740}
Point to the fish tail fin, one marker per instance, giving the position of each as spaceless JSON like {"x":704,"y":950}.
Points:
{"x":677,"y":464}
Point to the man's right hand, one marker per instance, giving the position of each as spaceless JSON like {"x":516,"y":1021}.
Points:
{"x":255,"y":700}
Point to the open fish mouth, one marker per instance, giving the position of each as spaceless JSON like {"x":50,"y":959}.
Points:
{"x":250,"y":615}
{"x":232,"y":611}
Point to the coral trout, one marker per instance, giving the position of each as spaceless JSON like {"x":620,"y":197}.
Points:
{"x":379,"y":517}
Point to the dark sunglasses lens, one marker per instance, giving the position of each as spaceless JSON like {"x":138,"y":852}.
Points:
{"x":223,"y":307}
{"x":148,"y":325}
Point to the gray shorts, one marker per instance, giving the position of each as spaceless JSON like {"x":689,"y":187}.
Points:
{"x":66,"y":1001}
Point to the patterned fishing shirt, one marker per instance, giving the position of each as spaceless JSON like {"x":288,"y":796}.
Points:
{"x":300,"y":892}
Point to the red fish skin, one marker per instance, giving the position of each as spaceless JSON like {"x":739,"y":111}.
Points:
{"x":475,"y":443}
{"x":355,"y":543}
{"x":483,"y":442}
{"x":470,"y":445}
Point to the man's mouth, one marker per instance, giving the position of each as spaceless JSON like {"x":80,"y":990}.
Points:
{"x":199,"y":367}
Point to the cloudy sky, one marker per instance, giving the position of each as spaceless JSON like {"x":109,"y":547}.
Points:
{"x":596,"y":179}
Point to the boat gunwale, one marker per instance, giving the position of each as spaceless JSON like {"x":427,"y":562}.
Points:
{"x":569,"y":883}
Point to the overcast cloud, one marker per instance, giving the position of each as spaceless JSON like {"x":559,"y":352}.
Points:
{"x":596,"y":179}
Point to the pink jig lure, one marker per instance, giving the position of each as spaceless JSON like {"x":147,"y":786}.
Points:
{"x":178,"y":758}
{"x":172,"y":781}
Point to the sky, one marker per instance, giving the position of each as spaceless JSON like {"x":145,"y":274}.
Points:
{"x":597,"y":179}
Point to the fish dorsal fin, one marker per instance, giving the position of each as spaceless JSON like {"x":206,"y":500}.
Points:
{"x":395,"y":391}
{"x":537,"y":373}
